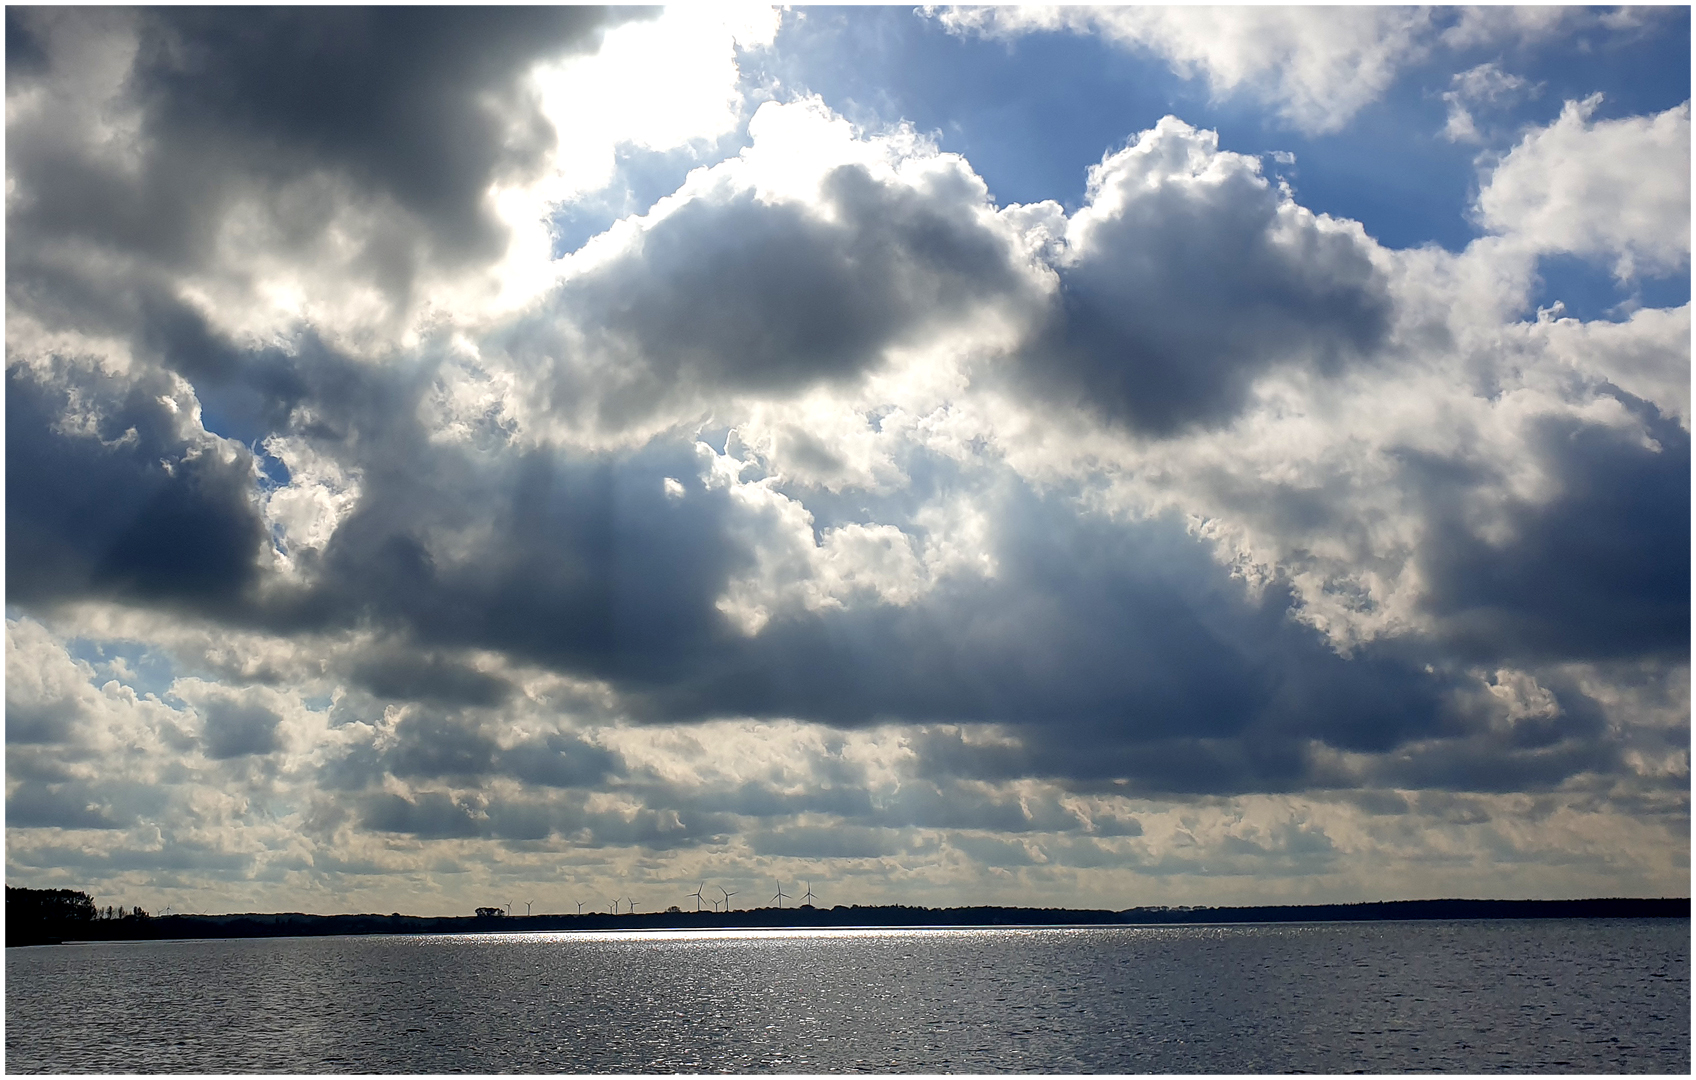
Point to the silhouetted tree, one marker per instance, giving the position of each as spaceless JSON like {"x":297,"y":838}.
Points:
{"x":38,"y":915}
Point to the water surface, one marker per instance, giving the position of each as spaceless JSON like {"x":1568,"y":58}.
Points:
{"x":1516,"y":996}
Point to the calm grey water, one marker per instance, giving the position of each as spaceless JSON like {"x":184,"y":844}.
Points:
{"x":1513,"y":996}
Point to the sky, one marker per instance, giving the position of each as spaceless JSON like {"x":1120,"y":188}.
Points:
{"x":942,"y":456}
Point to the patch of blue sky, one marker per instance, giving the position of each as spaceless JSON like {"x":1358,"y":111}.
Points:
{"x":1032,"y":114}
{"x":1637,"y":71}
{"x":642,"y":178}
{"x":131,"y":663}
{"x":241,"y":410}
{"x":227,"y":418}
{"x":1587,"y":290}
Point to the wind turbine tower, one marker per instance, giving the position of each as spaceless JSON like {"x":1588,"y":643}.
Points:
{"x":696,"y":894}
{"x":727,"y":896}
{"x":781,"y":895}
{"x":809,"y":897}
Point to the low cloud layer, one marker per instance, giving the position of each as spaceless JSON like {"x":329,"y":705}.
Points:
{"x":824,"y":515}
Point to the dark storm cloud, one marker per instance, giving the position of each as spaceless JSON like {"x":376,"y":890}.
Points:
{"x":579,"y":561}
{"x":1484,"y":764}
{"x":421,"y":108}
{"x":570,"y":560}
{"x":445,"y":815}
{"x":401,"y":674}
{"x":1600,"y":571}
{"x":584,"y":564}
{"x":70,"y":805}
{"x":431,"y":746}
{"x":1117,"y":650}
{"x":235,"y":729}
{"x":1114,"y":652}
{"x":560,"y":761}
{"x":41,"y":722}
{"x":947,"y":803}
{"x":421,"y":104}
{"x":730,"y":293}
{"x":1183,"y":288}
{"x":131,"y":509}
{"x":427,"y":744}
{"x":26,"y":54}
{"x":430,"y":815}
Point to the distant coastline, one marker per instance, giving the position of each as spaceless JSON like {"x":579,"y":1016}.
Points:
{"x":297,"y":924}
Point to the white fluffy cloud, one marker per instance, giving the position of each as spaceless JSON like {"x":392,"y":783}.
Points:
{"x":1617,"y":191}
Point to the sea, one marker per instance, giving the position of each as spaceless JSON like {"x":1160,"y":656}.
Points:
{"x":1517,"y":996}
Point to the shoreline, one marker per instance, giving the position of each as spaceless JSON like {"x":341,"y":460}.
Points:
{"x":870,"y":917}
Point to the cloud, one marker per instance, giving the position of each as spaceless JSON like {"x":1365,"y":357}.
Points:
{"x":178,"y":153}
{"x":823,"y":515}
{"x":1609,"y":535}
{"x":1318,"y":68}
{"x":736,"y":600}
{"x":1646,"y":355}
{"x":1487,"y":84}
{"x":804,"y":261}
{"x":1188,"y":273}
{"x":235,"y":730}
{"x":112,"y":488}
{"x":1611,"y":190}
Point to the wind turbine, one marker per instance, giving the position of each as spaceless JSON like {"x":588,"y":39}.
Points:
{"x":632,"y":902}
{"x":527,"y":904}
{"x":781,"y":895}
{"x":579,"y":907}
{"x":696,"y":894}
{"x":727,"y":896}
{"x":809,"y":898}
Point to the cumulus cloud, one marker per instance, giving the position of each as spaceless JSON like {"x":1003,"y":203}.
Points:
{"x":116,"y":488}
{"x":805,"y":260}
{"x":1610,"y":190}
{"x":1188,"y":274}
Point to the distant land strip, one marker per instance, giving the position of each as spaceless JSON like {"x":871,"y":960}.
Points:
{"x":296,"y":924}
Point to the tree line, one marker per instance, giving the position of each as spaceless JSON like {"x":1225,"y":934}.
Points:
{"x":47,"y":916}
